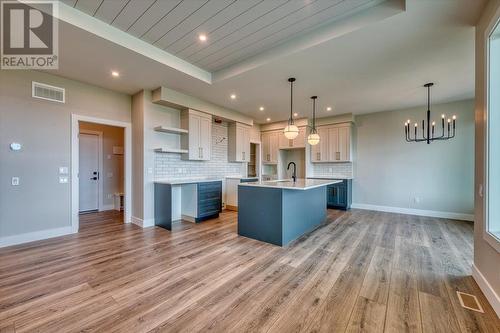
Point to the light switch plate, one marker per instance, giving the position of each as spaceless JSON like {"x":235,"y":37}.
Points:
{"x":15,"y":181}
{"x":63,"y":170}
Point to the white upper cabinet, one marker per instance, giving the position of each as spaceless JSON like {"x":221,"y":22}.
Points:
{"x":238,"y":143}
{"x":270,"y":147}
{"x":198,"y":141}
{"x":334,"y":144}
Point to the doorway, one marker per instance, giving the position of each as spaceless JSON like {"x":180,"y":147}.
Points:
{"x":100,"y":181}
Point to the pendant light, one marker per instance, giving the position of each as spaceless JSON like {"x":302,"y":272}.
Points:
{"x":313,"y":137}
{"x":291,"y":131}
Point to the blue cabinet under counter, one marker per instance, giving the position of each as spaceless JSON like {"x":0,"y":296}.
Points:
{"x":339,"y":196}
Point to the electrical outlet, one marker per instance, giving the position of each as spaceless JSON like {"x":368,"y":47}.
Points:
{"x":110,"y":196}
{"x":63,"y":170}
{"x":416,"y":200}
{"x":15,"y":181}
{"x":110,"y":175}
{"x":63,"y":180}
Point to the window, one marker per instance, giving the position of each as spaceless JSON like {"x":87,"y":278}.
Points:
{"x":493,"y":138}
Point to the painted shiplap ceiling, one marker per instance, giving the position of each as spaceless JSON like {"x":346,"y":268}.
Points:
{"x":235,"y":29}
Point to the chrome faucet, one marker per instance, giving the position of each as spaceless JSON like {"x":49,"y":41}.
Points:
{"x":294,"y":176}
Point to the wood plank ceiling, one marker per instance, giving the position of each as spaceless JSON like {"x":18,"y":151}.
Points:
{"x":235,"y":29}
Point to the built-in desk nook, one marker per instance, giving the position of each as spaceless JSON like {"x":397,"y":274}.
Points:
{"x":193,"y":200}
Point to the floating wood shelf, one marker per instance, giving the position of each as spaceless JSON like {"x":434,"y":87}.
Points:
{"x":171,"y":150}
{"x":170,"y":130}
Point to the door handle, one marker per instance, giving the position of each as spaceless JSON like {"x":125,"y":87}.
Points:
{"x":93,"y":178}
{"x":318,"y":156}
{"x":337,"y":155}
{"x":201,"y":152}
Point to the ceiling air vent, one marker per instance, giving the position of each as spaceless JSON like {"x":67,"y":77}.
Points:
{"x":49,"y":93}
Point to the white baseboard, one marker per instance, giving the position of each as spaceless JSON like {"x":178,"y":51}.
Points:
{"x":143,"y":223}
{"x":35,"y":236}
{"x":487,"y":289}
{"x":419,"y":212}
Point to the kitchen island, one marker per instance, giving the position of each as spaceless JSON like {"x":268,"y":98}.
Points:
{"x":280,"y":211}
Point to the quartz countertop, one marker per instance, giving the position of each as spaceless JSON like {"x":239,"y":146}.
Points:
{"x":288,"y":184}
{"x":330,"y":177}
{"x":240,"y":177}
{"x":180,"y":181}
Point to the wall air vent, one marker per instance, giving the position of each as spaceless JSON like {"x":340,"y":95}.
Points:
{"x":47,"y":92}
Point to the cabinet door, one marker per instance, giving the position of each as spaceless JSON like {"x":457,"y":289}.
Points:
{"x":333,"y":144}
{"x":266,"y":152}
{"x":240,"y":147}
{"x":319,"y":152}
{"x":300,"y":140}
{"x":341,"y":192}
{"x":283,"y":142}
{"x":194,"y":137}
{"x":246,"y":144}
{"x":205,"y":138}
{"x":344,"y":144}
{"x":273,"y":138}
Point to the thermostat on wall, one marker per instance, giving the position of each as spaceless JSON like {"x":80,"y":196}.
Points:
{"x":15,"y":146}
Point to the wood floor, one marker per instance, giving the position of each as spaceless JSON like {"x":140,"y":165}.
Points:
{"x":361,"y":272}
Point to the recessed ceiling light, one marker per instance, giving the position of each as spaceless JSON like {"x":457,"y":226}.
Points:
{"x":268,"y":119}
{"x":328,"y":108}
{"x":115,"y":74}
{"x":233,"y":96}
{"x":202,"y":37}
{"x":295,"y":114}
{"x":261,"y":108}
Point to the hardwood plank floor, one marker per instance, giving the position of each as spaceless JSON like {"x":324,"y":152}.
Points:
{"x":362,"y":271}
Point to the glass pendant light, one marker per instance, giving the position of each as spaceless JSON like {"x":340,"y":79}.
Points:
{"x":313,"y":137}
{"x":291,"y":131}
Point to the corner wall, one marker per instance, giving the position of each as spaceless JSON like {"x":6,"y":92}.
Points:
{"x":40,"y":206}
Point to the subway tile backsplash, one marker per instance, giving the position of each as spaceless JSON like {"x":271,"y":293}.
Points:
{"x":168,"y":165}
{"x":341,"y":170}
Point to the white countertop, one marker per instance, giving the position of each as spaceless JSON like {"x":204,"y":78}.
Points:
{"x":239,"y":177}
{"x":180,"y":181}
{"x":330,"y":177}
{"x":288,"y":184}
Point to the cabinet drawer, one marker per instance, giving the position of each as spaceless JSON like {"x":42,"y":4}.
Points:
{"x":209,"y":187}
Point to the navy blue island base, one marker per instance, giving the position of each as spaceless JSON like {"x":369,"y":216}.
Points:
{"x":280,"y":214}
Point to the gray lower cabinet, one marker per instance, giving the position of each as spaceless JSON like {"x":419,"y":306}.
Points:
{"x":209,"y":200}
{"x":339,"y":195}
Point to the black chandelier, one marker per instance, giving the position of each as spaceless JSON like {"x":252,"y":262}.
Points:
{"x":429,"y":129}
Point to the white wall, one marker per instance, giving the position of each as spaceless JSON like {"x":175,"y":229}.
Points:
{"x":391,"y":172}
{"x":40,"y":206}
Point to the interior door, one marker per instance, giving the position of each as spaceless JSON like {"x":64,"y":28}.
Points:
{"x":89,"y":172}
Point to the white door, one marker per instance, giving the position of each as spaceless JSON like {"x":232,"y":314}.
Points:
{"x":89,"y":172}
